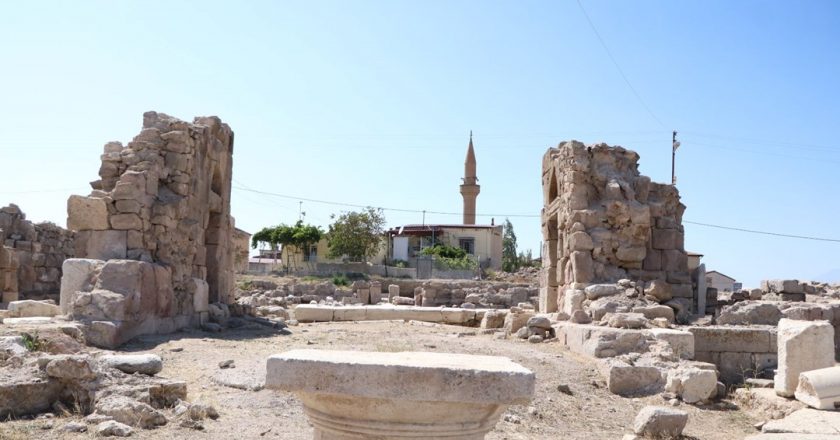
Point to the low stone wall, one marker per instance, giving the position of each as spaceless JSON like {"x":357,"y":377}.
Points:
{"x":30,"y":264}
{"x":738,"y":352}
{"x":319,"y":313}
{"x":603,"y":342}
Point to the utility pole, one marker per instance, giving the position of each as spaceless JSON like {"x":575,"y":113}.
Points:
{"x":674,"y":145}
{"x":424,"y":217}
{"x":300,"y":208}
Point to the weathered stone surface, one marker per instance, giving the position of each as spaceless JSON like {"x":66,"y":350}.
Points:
{"x":149,"y":364}
{"x":86,"y":213}
{"x":606,"y":222}
{"x":76,"y":367}
{"x":660,"y":422}
{"x":802,"y":346}
{"x":806,"y":421}
{"x":659,"y":291}
{"x":30,"y":308}
{"x":625,"y":320}
{"x":79,"y":275}
{"x":493,"y":319}
{"x":749,"y":312}
{"x":129,"y":411}
{"x":596,"y":291}
{"x":733,"y":339}
{"x":25,"y":391}
{"x":820,"y":388}
{"x":629,"y":380}
{"x":692,"y":384}
{"x":414,"y":391}
{"x":113,"y":428}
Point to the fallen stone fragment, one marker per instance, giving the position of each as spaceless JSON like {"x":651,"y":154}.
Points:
{"x":660,"y":422}
{"x":820,"y":388}
{"x":227,"y":364}
{"x":74,"y":427}
{"x":148,"y":364}
{"x":70,"y":367}
{"x":113,"y":429}
{"x":692,"y":384}
{"x":130,"y":412}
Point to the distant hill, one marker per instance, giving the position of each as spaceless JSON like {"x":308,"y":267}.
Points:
{"x":832,"y":276}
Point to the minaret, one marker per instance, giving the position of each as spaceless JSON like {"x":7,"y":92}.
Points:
{"x":470,"y":188}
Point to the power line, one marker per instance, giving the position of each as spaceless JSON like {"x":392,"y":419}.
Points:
{"x":776,"y":234}
{"x":617,"y":66}
{"x":419,"y":211}
{"x":354,"y":205}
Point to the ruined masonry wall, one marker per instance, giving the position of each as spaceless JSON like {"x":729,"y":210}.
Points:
{"x":602,"y":221}
{"x":31,"y":256}
{"x":162,"y":200}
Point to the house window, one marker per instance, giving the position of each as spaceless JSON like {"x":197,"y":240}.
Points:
{"x":467,"y":244}
{"x":312,"y":255}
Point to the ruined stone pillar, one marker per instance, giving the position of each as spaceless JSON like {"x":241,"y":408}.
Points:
{"x":354,"y":395}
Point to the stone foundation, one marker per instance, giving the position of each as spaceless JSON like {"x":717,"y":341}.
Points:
{"x":31,"y":256}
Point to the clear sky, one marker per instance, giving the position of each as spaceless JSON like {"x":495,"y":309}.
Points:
{"x":372,"y":102}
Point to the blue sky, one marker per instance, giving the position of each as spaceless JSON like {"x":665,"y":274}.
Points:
{"x":372,"y":102}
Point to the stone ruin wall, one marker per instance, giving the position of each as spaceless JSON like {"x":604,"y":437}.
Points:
{"x":31,"y":256}
{"x":155,"y":232}
{"x":602,"y":221}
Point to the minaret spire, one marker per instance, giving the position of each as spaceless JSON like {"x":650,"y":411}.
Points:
{"x":470,"y":187}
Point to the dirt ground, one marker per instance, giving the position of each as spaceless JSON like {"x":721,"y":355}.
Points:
{"x":589,"y":412}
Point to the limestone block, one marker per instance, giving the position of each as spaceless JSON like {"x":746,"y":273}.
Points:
{"x":353,"y":313}
{"x":681,"y":342}
{"x":86,"y":213}
{"x":802,"y":346}
{"x":580,"y":241}
{"x":126,"y":222}
{"x":573,"y":300}
{"x":783,"y":286}
{"x":653,"y":312}
{"x":29,"y":308}
{"x":659,"y":291}
{"x":493,"y":319}
{"x":422,"y":395}
{"x":734,"y":339}
{"x":547,"y":299}
{"x":660,"y":422}
{"x":582,"y":267}
{"x":364,"y":295}
{"x":393,"y":290}
{"x":516,"y":320}
{"x":596,"y":291}
{"x":105,"y":245}
{"x":201,"y":296}
{"x":664,"y":239}
{"x":78,"y":275}
{"x":148,"y":364}
{"x":313,"y":313}
{"x":627,"y":380}
{"x":692,"y":384}
{"x":820,"y":389}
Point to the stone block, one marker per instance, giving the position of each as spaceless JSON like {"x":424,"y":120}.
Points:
{"x":735,"y":367}
{"x":421,"y":395}
{"x":78,"y":275}
{"x":631,"y":380}
{"x":681,"y":342}
{"x":126,"y":222}
{"x":802,"y":346}
{"x":313,"y":313}
{"x":664,"y":239}
{"x":736,"y":339}
{"x":582,"y":267}
{"x":783,"y":286}
{"x":104,"y":245}
{"x":201,"y":296}
{"x":820,"y":388}
{"x":86,"y":213}
{"x":29,"y":308}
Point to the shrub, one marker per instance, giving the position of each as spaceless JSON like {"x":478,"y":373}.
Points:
{"x":340,"y":280}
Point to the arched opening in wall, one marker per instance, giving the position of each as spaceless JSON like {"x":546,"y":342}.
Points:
{"x":216,"y":183}
{"x":552,"y":186}
{"x":212,"y":235}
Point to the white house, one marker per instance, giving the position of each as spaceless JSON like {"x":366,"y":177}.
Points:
{"x":721,"y":282}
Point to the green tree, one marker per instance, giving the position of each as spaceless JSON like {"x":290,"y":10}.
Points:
{"x":300,"y":236}
{"x":358,"y":235}
{"x":510,"y":260}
